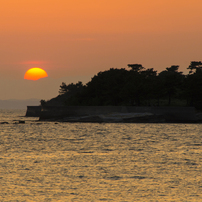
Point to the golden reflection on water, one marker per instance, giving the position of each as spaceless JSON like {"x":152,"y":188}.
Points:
{"x":100,"y":162}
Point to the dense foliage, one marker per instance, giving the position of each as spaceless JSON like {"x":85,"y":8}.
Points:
{"x":138,"y":86}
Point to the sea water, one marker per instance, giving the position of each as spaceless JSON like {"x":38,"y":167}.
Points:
{"x":52,"y":161}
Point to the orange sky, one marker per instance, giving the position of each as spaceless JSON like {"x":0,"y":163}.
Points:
{"x":80,"y":38}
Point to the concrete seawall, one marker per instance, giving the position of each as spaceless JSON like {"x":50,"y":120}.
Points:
{"x":33,"y":111}
{"x":169,"y":114}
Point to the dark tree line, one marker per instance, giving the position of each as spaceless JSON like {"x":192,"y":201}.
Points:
{"x":138,"y":86}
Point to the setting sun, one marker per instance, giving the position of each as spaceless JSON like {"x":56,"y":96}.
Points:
{"x":35,"y":73}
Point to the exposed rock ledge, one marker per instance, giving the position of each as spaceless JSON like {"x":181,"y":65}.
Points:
{"x":116,"y":118}
{"x":125,"y":114}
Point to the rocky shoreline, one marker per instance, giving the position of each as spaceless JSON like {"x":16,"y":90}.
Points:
{"x":113,"y":115}
{"x":116,"y":114}
{"x":120,"y":118}
{"x":115,"y":118}
{"x":121,"y":114}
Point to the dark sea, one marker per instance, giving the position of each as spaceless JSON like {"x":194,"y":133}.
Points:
{"x":87,"y":162}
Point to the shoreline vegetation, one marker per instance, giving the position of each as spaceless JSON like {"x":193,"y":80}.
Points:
{"x":135,"y":86}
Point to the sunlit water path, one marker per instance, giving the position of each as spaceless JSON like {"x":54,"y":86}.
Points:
{"x":48,"y":161}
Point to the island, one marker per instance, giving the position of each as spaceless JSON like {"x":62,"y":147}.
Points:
{"x":134,"y":95}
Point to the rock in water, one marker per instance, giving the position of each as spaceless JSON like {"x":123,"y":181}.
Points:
{"x":21,"y":121}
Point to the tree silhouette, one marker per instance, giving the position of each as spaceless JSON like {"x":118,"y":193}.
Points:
{"x":71,"y":88}
{"x":171,"y":80}
{"x":43,"y":102}
{"x":137,"y":86}
{"x":193,"y":85}
{"x":194,"y":66}
{"x":136,"y":67}
{"x":104,"y":88}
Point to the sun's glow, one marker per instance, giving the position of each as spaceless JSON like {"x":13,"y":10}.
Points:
{"x":35,"y":73}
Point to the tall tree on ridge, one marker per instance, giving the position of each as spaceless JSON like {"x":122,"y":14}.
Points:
{"x":171,"y":80}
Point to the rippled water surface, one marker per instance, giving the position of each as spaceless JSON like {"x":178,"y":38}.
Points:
{"x":48,"y":161}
